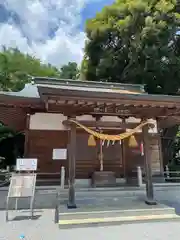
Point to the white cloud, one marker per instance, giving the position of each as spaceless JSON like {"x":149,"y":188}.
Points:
{"x":47,"y":29}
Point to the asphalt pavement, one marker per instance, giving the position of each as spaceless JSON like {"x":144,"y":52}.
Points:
{"x":43,"y":228}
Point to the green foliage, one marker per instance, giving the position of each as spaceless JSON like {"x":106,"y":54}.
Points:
{"x":135,"y":41}
{"x":16,"y":69}
{"x":69,"y":71}
{"x":11,"y":145}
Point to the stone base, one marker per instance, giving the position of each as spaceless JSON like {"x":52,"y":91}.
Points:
{"x":103,"y":179}
{"x":71,"y":206}
{"x":150,"y":202}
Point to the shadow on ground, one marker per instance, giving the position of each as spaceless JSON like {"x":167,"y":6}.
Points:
{"x":173,"y":204}
{"x":21,"y":218}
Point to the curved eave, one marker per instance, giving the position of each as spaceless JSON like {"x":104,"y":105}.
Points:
{"x":11,"y":100}
{"x":121,"y":98}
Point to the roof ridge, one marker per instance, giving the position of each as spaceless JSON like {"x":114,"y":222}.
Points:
{"x":89,"y":84}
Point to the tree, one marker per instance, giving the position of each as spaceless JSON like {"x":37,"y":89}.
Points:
{"x":17,"y":68}
{"x":11,"y":145}
{"x":69,"y":71}
{"x":135,"y":41}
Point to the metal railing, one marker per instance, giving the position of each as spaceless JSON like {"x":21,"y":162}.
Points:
{"x":167,"y":176}
{"x":57,"y":178}
{"x":171,"y":176}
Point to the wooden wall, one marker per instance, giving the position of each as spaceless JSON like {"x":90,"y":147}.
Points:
{"x":87,"y":157}
{"x":41,"y":144}
{"x":133,"y":156}
{"x":14,"y":118}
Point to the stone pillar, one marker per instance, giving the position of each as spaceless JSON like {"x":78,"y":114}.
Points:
{"x":72,"y":166}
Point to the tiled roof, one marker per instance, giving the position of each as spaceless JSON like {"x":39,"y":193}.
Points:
{"x":31,"y":89}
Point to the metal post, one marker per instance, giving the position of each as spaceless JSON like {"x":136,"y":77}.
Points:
{"x":16,"y":204}
{"x":56,"y":213}
{"x":8,"y":169}
{"x":167,"y":172}
{"x":139,"y":176}
{"x":62,"y":177}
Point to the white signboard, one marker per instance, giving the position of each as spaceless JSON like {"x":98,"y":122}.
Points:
{"x":59,"y":154}
{"x":26,"y":164}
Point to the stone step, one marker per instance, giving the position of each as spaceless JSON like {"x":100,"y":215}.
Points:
{"x":116,"y":213}
{"x":115,"y":216}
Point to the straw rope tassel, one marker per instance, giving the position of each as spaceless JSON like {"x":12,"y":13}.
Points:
{"x":91,"y":141}
{"x":111,"y":137}
{"x":132,"y":141}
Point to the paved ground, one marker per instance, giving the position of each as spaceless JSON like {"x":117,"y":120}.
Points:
{"x":168,"y":196}
{"x":45,"y":229}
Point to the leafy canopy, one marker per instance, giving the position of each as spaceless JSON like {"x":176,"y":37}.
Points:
{"x":17,"y":68}
{"x":70,"y":71}
{"x":135,"y":41}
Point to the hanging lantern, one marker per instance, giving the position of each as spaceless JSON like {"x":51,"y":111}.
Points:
{"x":142,"y":149}
{"x":120,"y":142}
{"x":91,"y":141}
{"x":132,"y":141}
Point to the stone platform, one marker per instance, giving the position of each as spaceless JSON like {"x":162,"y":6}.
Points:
{"x":112,"y":211}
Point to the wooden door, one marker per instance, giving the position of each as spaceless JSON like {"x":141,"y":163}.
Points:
{"x":112,"y":156}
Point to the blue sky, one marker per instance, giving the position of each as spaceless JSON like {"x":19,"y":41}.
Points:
{"x":52,"y":30}
{"x":91,"y":8}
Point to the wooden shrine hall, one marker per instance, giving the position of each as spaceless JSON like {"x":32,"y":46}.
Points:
{"x":108,"y":129}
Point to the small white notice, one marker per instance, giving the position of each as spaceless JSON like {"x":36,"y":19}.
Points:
{"x":59,"y":154}
{"x":26,"y":164}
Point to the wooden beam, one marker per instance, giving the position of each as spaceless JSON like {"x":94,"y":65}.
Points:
{"x":167,"y":101}
{"x":103,"y":124}
{"x":71,"y":102}
{"x":60,"y":102}
{"x":72,"y":166}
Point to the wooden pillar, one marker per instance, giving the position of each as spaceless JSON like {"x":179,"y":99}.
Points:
{"x":124,"y":152}
{"x":99,"y":149}
{"x":160,"y":149}
{"x":72,"y":166}
{"x":148,"y":168}
{"x":26,"y":133}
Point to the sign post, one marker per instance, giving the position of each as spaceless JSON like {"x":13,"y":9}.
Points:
{"x":23,"y":183}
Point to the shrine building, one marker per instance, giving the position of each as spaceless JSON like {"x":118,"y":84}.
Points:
{"x":59,"y":115}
